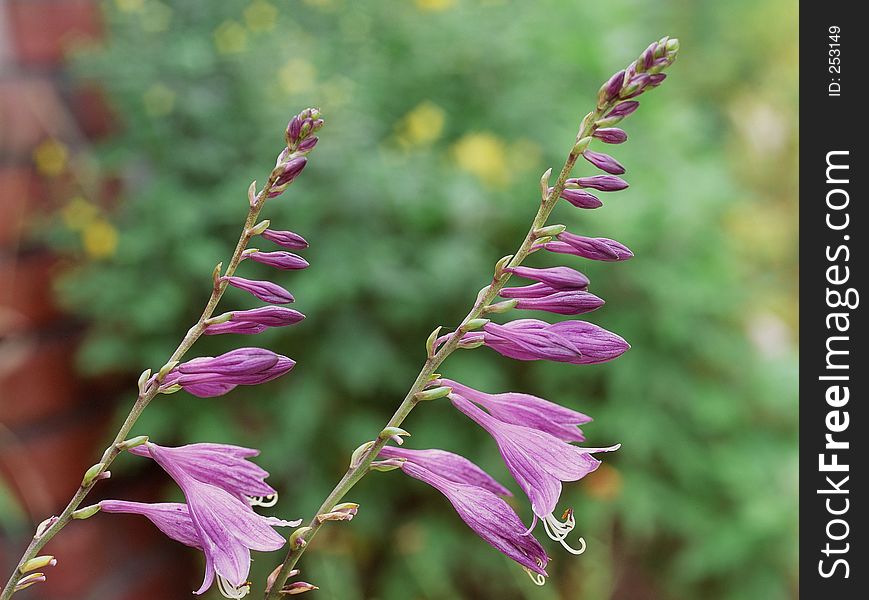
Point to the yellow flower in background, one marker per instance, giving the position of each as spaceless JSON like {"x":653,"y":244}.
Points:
{"x":483,"y":155}
{"x":159,"y":100}
{"x":51,"y":157}
{"x":79,"y":213}
{"x":230,"y":37}
{"x":260,"y":16}
{"x":422,"y":125}
{"x":99,"y":238}
{"x":297,"y":76}
{"x":435,"y":5}
{"x":129,"y":5}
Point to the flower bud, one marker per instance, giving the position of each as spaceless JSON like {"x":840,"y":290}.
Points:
{"x":298,"y":587}
{"x":38,"y":563}
{"x":92,"y":473}
{"x":611,"y":135}
{"x":604,"y":162}
{"x":26,"y":582}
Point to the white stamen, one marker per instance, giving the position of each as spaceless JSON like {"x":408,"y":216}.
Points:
{"x":265,"y":501}
{"x":558,"y":531}
{"x":230,"y":591}
{"x":537,"y":578}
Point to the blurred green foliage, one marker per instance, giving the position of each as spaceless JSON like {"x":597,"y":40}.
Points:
{"x":441,"y":114}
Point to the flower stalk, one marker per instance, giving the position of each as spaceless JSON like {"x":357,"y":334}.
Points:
{"x":149,"y":387}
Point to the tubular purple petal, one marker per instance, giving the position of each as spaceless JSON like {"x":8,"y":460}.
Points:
{"x":581,"y":199}
{"x":603,"y":249}
{"x":569,"y":302}
{"x":287,"y":239}
{"x":561,"y":278}
{"x":604,"y":162}
{"x":264,"y":290}
{"x":604,"y":183}
{"x":292,"y":169}
{"x":611,"y":135}
{"x":280,"y":260}
{"x":623,"y":109}
{"x":448,"y":465}
{"x":535,"y":290}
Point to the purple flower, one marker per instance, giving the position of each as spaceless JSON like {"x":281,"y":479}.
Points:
{"x":623,"y":109}
{"x":594,"y":248}
{"x":292,"y":169}
{"x":490,"y":517}
{"x":255,"y":320}
{"x":448,"y":465}
{"x":172,"y":518}
{"x":264,"y":290}
{"x":581,"y":199}
{"x":214,"y":376}
{"x":539,"y":462}
{"x":575,"y":342}
{"x":526,"y":410}
{"x":221,"y":465}
{"x":562,"y":278}
{"x":611,"y":135}
{"x":611,"y":88}
{"x":604,"y":162}
{"x":604,"y":183}
{"x":225,"y":527}
{"x":569,"y":302}
{"x":535,"y":290}
{"x":287,"y":239}
{"x":280,"y":260}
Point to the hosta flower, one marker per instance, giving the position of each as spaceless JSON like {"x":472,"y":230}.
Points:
{"x":535,"y":290}
{"x":611,"y":135}
{"x":623,"y":109}
{"x":489,"y":517}
{"x":539,"y":462}
{"x":562,"y":278}
{"x":604,"y":183}
{"x":581,"y":198}
{"x":577,"y":342}
{"x":448,"y":465}
{"x":264,"y":290}
{"x":214,"y":376}
{"x":526,"y":410}
{"x":254,"y":320}
{"x":570,"y":302}
{"x":221,"y":465}
{"x":280,"y":260}
{"x":227,"y":527}
{"x":594,"y":248}
{"x":604,"y":162}
{"x":287,"y":239}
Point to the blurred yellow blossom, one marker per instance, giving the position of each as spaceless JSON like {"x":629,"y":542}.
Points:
{"x":523,"y":154}
{"x":129,"y":5}
{"x":230,"y":37}
{"x":51,"y":157}
{"x":260,"y":16}
{"x":159,"y":100}
{"x":297,"y":76}
{"x":421,"y":126}
{"x":99,"y":238}
{"x":78,"y":213}
{"x":156,"y":18}
{"x":483,"y":155}
{"x":435,"y":5}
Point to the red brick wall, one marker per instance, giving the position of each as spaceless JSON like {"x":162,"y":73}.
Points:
{"x":53,"y":424}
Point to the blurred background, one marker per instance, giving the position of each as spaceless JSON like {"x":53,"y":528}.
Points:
{"x":129,"y":132}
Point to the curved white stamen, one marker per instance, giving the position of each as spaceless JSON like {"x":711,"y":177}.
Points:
{"x":537,"y":578}
{"x":264,"y":501}
{"x":558,"y":531}
{"x":531,"y":527}
{"x":230,"y":591}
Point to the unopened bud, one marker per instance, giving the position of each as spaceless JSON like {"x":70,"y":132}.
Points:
{"x":38,"y":563}
{"x":297,"y":587}
{"x":501,"y":307}
{"x":91,"y":474}
{"x":132,"y":442}
{"x":26,"y":582}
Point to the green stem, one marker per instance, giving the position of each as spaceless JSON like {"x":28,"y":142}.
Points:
{"x":145,"y":396}
{"x":487,"y":296}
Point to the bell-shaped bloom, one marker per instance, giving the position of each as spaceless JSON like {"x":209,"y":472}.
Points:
{"x":221,"y":465}
{"x":280,"y":260}
{"x":561,"y":278}
{"x":209,"y":376}
{"x":287,"y":239}
{"x":605,"y":162}
{"x":611,"y":135}
{"x":576,"y":342}
{"x":604,"y":183}
{"x":490,"y":517}
{"x":227,"y":528}
{"x":593,"y":248}
{"x":539,"y":462}
{"x":255,"y":320}
{"x":525,"y":410}
{"x":568,"y":302}
{"x":448,"y":465}
{"x":264,"y":290}
{"x":581,"y":198}
{"x":226,"y":544}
